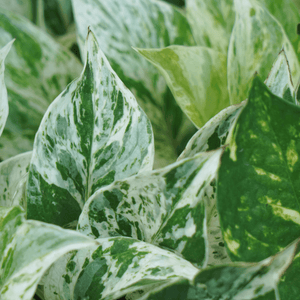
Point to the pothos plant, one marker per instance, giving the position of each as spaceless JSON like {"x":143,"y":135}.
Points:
{"x":95,"y":211}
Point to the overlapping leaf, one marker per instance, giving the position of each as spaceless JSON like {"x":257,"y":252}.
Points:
{"x":119,"y":25}
{"x":23,"y":7}
{"x":37,"y":70}
{"x":28,"y":248}
{"x":196,"y":77}
{"x":92,"y":134}
{"x":119,"y":266}
{"x":211,"y":22}
{"x":13,"y":174}
{"x":164,"y":207}
{"x":236,"y":281}
{"x":261,"y":214}
{"x":3,"y":92}
{"x":256,"y":39}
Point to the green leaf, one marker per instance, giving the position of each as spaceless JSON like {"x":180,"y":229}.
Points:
{"x":196,"y":77}
{"x":287,"y":14}
{"x":279,"y":79}
{"x":261,"y":214}
{"x":37,"y":70}
{"x":28,"y":249}
{"x":13,"y":174}
{"x":121,"y":25}
{"x":256,"y":39}
{"x":3,"y":94}
{"x":92,"y":134}
{"x":233,"y":281}
{"x":164,"y":207}
{"x":211,"y":22}
{"x":119,"y":266}
{"x":23,"y":7}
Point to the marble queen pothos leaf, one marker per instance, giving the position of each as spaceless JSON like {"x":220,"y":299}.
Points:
{"x":213,"y":135}
{"x":120,"y":265}
{"x":3,"y":92}
{"x":196,"y":76}
{"x":258,"y":36}
{"x":165,"y":207}
{"x":121,"y":25}
{"x":235,"y":281}
{"x":261,"y":214}
{"x":37,"y":69}
{"x":28,"y":249}
{"x":211,"y":22}
{"x":13,"y":173}
{"x":92,"y":134}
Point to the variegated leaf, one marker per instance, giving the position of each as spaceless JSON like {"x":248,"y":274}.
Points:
{"x":120,"y":265}
{"x":37,"y":70}
{"x":92,"y":134}
{"x":3,"y":92}
{"x":13,"y":173}
{"x":236,"y":281}
{"x":279,"y":80}
{"x":256,"y":39}
{"x":119,"y":25}
{"x":261,"y":214}
{"x":28,"y":249}
{"x":164,"y":207}
{"x":286,"y":12}
{"x":196,"y":77}
{"x":211,"y":22}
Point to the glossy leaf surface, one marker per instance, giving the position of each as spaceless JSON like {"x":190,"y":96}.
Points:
{"x":37,"y":70}
{"x":28,"y":248}
{"x":120,"y":265}
{"x":196,"y":77}
{"x":121,"y":25}
{"x":256,"y":40}
{"x":92,"y":134}
{"x":165,"y":207}
{"x":261,"y":214}
{"x":3,"y":92}
{"x":236,"y":281}
{"x":211,"y":22}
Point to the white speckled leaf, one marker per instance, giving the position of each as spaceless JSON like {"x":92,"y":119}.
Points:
{"x":279,"y":80}
{"x":236,"y":281}
{"x":119,"y":266}
{"x":3,"y":92}
{"x":261,"y":214}
{"x":37,"y":70}
{"x":256,"y":40}
{"x":13,"y":173}
{"x":196,"y":76}
{"x":27,"y":250}
{"x":92,"y":134}
{"x":211,"y":22}
{"x":121,"y":25}
{"x":164,"y":207}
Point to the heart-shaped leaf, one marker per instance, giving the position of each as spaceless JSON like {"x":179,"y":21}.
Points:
{"x":196,"y":77}
{"x":164,"y":207}
{"x":261,"y":214}
{"x":119,"y":266}
{"x":92,"y":134}
{"x":121,"y":25}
